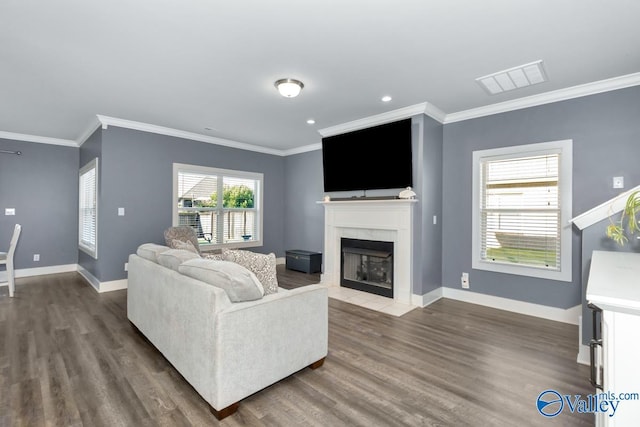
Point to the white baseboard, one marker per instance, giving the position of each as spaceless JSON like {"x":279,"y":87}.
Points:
{"x":113,"y":285}
{"x":100,"y":287}
{"x":584,"y":357}
{"x":583,"y":350}
{"x":38,"y":271}
{"x":281,"y":260}
{"x":426,"y":299}
{"x":90,"y":278}
{"x":569,"y":315}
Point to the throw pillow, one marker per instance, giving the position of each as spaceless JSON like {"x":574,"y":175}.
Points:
{"x":239,"y":283}
{"x":187,"y":246}
{"x":174,"y":257}
{"x":150,"y":251}
{"x":184,"y":233}
{"x":263,"y":266}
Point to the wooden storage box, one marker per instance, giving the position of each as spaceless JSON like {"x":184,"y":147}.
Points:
{"x":305,"y":261}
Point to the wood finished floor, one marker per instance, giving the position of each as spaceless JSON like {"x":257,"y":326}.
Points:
{"x":68,"y":357}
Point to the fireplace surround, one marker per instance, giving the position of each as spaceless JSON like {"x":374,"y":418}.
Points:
{"x":382,"y":220}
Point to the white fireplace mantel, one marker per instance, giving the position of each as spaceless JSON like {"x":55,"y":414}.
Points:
{"x":388,"y":220}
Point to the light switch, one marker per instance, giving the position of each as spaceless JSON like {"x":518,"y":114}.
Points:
{"x":120,"y":211}
{"x":10,"y":211}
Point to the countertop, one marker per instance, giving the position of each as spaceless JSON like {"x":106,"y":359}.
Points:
{"x":614,"y":281}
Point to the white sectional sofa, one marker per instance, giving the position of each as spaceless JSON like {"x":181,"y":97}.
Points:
{"x":226,"y":350}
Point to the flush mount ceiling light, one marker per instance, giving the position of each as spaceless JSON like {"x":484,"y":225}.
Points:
{"x":311,"y":122}
{"x":513,"y":78}
{"x":289,"y":88}
{"x":386,"y":98}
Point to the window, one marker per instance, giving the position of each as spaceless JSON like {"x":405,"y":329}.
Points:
{"x":88,"y":209}
{"x":521,"y":210}
{"x":223,"y":206}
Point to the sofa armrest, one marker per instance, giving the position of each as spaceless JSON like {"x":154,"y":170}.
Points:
{"x":177,"y":314}
{"x":261,"y":342}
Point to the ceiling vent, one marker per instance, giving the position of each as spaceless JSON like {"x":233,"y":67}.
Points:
{"x":513,"y":78}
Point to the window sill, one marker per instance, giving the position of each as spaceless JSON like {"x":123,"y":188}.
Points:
{"x":563,"y":275}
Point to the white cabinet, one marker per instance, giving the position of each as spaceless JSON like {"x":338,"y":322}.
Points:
{"x":614,"y":286}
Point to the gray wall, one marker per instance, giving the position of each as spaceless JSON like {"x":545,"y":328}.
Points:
{"x":303,"y":217}
{"x":429,"y":257}
{"x":137,"y":174}
{"x":605,"y":131}
{"x":42,"y":185}
{"x":91,"y":149}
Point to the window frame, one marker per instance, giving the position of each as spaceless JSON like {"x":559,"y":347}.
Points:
{"x":89,"y":249}
{"x":565,"y":190}
{"x":221,"y":173}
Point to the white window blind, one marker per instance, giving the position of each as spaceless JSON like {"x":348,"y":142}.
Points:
{"x":88,"y":208}
{"x":520,"y":211}
{"x":223,"y":206}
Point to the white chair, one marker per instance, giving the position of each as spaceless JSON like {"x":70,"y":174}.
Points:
{"x":7,"y":258}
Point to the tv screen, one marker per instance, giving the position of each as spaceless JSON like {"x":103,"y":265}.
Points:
{"x":368,"y":159}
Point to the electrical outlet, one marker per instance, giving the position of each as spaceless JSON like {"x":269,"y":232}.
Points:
{"x":10,"y":211}
{"x":36,"y":257}
{"x":618,"y":182}
{"x":464,"y":280}
{"x":126,"y":266}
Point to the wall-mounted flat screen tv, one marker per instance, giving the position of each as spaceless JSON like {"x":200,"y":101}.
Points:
{"x":369,"y":159}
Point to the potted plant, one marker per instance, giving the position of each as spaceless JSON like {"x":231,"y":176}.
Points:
{"x":629,"y":220}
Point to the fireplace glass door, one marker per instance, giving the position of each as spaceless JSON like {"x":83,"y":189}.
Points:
{"x":367,"y":266}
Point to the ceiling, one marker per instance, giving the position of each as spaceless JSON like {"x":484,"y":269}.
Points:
{"x":190,"y":65}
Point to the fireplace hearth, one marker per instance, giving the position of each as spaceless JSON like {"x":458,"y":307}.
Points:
{"x":367,"y":265}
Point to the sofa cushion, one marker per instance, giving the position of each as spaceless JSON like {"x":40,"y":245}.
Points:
{"x":262,"y":265}
{"x":187,"y":246}
{"x":174,"y":257}
{"x":150,"y":251}
{"x":239,"y":283}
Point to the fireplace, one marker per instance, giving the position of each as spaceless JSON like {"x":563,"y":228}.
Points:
{"x":382,"y":220}
{"x":367,"y":265}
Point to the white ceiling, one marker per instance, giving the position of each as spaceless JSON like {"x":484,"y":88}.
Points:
{"x":193,"y":64}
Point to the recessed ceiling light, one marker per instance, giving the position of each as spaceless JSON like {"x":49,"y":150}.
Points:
{"x":311,"y":122}
{"x":386,"y":98}
{"x":513,"y":78}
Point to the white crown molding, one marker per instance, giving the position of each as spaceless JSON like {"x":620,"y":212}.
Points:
{"x":95,"y":124}
{"x":300,"y":150}
{"x":593,"y":88}
{"x":388,"y":117}
{"x":38,"y":139}
{"x":426,"y":108}
{"x":106,"y":121}
{"x":603,"y":210}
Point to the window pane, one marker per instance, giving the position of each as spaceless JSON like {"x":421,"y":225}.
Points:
{"x":520,"y":211}
{"x":239,"y":192}
{"x":222,"y":206}
{"x":239,"y":226}
{"x":197,"y":190}
{"x":88,"y":212}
